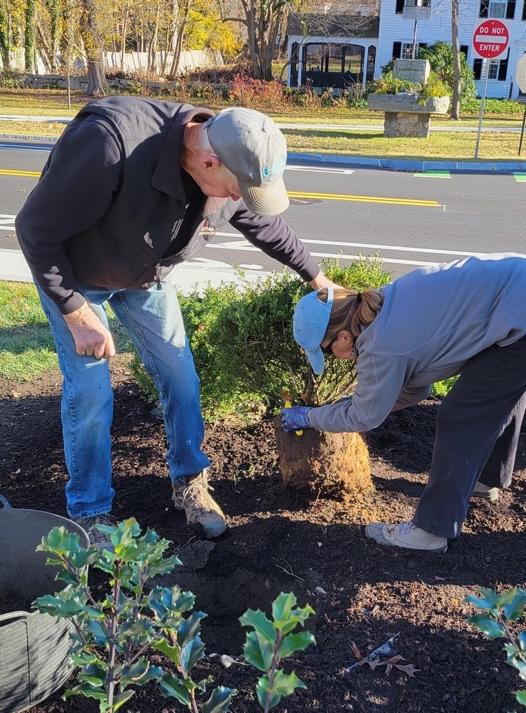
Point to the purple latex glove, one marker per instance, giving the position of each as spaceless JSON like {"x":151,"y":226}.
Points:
{"x":295,"y":418}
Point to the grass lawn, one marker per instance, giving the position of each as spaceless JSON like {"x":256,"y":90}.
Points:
{"x":26,"y":346}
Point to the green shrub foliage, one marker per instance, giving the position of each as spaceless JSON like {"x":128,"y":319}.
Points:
{"x":499,"y":614}
{"x":245,"y":354}
{"x":440,"y":57}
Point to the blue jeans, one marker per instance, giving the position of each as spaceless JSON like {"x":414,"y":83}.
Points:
{"x":154,"y":322}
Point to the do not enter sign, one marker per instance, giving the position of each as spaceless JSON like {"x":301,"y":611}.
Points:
{"x":491,"y":39}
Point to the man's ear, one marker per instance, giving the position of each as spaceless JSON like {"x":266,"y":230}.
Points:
{"x":210,"y":161}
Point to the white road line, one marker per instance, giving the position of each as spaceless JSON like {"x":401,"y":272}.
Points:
{"x":320,"y":169}
{"x":344,"y":244}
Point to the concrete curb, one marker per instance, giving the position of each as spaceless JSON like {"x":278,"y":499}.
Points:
{"x":417,"y":165}
{"x":387,"y":164}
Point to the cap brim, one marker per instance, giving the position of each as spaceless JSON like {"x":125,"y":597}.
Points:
{"x":316,"y":360}
{"x":268,"y":199}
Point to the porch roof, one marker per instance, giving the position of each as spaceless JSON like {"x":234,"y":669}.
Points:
{"x":333,"y":25}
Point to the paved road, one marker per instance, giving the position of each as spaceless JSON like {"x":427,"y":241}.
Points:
{"x":407,"y":219}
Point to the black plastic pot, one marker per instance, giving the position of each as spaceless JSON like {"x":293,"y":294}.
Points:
{"x":34,"y":647}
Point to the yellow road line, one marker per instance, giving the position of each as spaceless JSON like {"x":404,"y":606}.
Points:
{"x":295,"y":194}
{"x":16,"y":172}
{"x":367,"y":199}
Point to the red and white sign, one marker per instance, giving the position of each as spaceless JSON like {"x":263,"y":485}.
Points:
{"x":491,"y":39}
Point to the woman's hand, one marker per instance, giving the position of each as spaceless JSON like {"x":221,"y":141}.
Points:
{"x":295,"y":418}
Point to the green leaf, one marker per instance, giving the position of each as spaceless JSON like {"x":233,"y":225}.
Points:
{"x":295,"y":642}
{"x":521,"y":697}
{"x":522,"y":640}
{"x":488,"y":626}
{"x":98,"y":632}
{"x":284,"y":685}
{"x":171,"y":652}
{"x":173,"y":687}
{"x":488,"y":599}
{"x":86,"y":690}
{"x":136,"y":671}
{"x":189,"y":627}
{"x":94,"y":674}
{"x":514,"y":609}
{"x":121,"y":699}
{"x":257,"y":619}
{"x":258,"y":651}
{"x":219,"y":701}
{"x":286,"y":618}
{"x":191,"y":653}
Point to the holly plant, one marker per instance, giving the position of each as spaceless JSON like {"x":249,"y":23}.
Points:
{"x":272,"y":641}
{"x":112,"y":634}
{"x":499,"y":611}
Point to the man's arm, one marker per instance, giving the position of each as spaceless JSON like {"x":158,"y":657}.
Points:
{"x":73,"y":193}
{"x":279,"y":241}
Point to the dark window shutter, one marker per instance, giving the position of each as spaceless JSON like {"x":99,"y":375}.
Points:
{"x":510,"y":10}
{"x":399,"y":7}
{"x":464,"y":48}
{"x":503,"y":68}
{"x":397,"y":50}
{"x":484,"y":8}
{"x":524,"y":11}
{"x":477,"y":68}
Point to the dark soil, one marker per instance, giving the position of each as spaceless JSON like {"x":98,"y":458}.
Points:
{"x":280,"y":541}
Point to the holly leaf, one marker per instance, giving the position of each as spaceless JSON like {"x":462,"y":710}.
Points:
{"x":219,"y":701}
{"x":521,"y":697}
{"x":488,"y":626}
{"x":257,"y":619}
{"x":173,"y":687}
{"x":295,"y":642}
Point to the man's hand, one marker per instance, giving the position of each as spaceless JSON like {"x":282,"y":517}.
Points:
{"x":322,"y":280}
{"x":295,"y":418}
{"x":90,"y":335}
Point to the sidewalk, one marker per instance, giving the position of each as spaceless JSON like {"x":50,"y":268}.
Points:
{"x":304,"y":126}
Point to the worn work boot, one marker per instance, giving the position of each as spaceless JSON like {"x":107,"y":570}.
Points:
{"x":193,"y":496}
{"x":96,"y":537}
{"x":405,"y":535}
{"x":485,"y":491}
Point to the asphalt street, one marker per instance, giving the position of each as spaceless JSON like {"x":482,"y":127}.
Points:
{"x":407,"y":219}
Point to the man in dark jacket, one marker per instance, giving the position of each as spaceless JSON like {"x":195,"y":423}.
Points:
{"x":132,"y":188}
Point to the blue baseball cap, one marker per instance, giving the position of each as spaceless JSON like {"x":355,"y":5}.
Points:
{"x":309,"y":324}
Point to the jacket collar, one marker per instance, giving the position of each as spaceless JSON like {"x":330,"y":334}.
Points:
{"x":167,"y":174}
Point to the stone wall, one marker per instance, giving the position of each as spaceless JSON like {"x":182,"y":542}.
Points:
{"x":400,"y":125}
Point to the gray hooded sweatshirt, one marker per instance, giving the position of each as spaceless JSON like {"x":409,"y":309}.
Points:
{"x":432,"y":321}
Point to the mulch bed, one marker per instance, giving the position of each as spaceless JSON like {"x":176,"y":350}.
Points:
{"x":280,"y":541}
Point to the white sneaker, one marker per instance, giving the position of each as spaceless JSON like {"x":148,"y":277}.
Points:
{"x":201,"y":509}
{"x":485,"y":491}
{"x":405,"y":535}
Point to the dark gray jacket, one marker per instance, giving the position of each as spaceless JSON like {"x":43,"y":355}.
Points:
{"x":113,"y":208}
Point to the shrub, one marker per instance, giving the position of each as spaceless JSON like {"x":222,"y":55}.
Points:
{"x":434,"y":87}
{"x":257,"y":93}
{"x":11,"y":79}
{"x":440,"y":57}
{"x":243,"y":347}
{"x":114,"y":633}
{"x":500,"y":613}
{"x":497,"y":107}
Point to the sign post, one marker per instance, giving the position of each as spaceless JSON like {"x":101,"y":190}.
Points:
{"x":490,"y":40}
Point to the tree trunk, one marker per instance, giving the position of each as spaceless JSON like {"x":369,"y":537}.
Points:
{"x":93,"y":47}
{"x":4,"y":39}
{"x":54,"y":12}
{"x":29,"y":39}
{"x":455,"y":48}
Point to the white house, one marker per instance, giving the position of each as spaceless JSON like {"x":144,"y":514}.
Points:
{"x":395,"y":37}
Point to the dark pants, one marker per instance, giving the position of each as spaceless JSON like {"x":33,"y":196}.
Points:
{"x":477,"y":434}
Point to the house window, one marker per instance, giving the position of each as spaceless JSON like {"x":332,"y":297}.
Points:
{"x":497,"y":69}
{"x":399,"y":7}
{"x":524,"y":11}
{"x":498,"y":8}
{"x":406,"y":51}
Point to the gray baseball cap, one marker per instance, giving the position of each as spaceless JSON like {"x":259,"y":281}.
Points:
{"x":252,"y":147}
